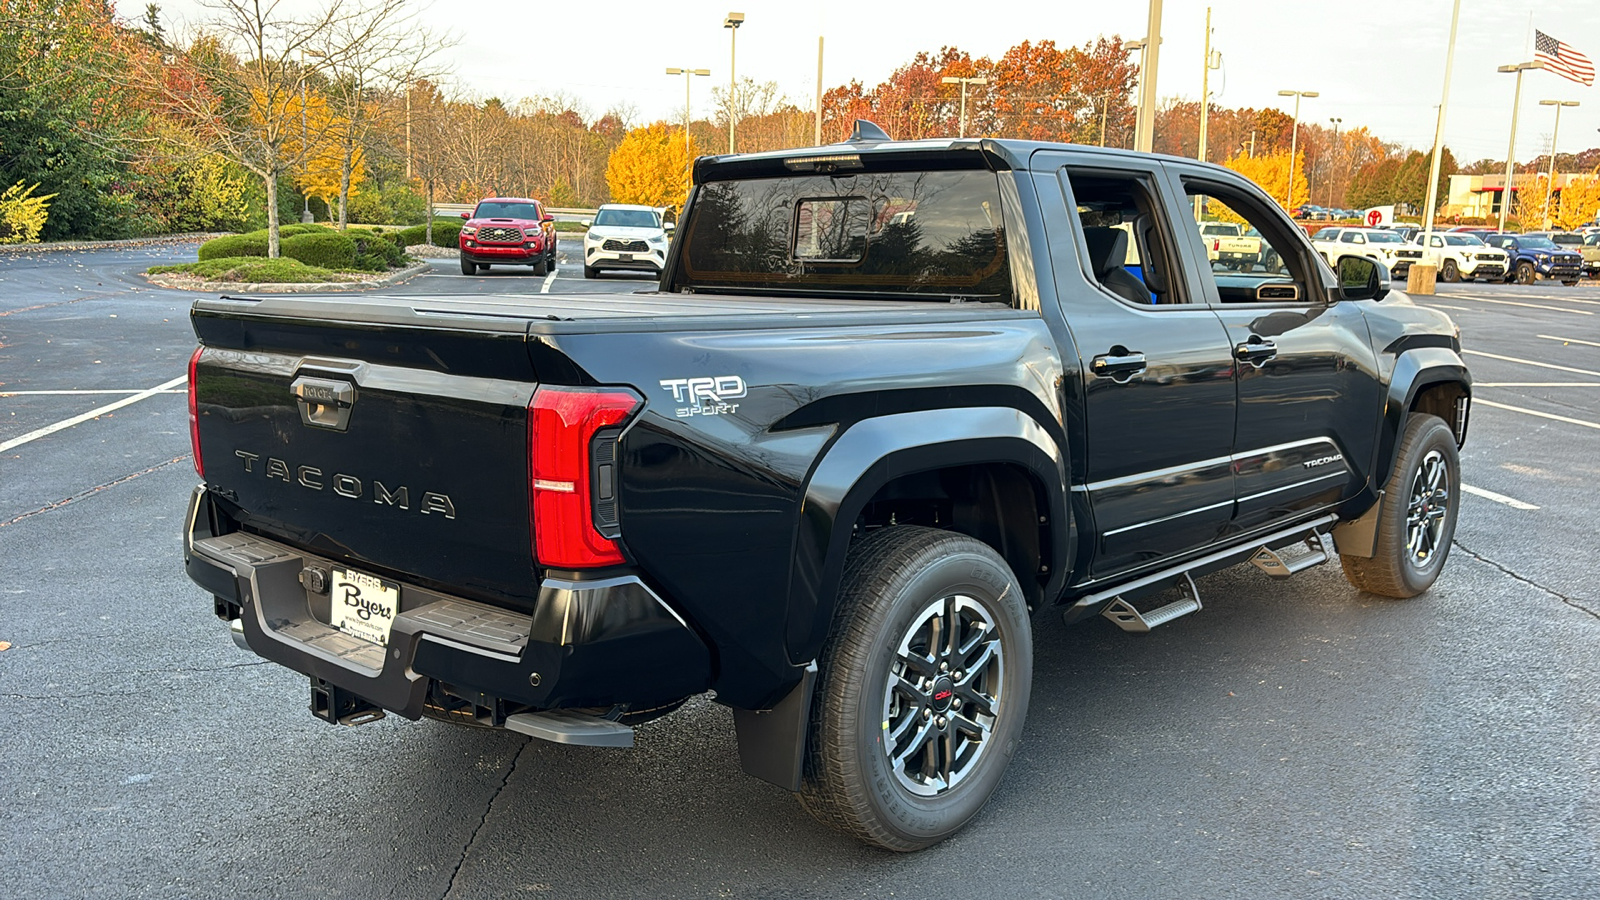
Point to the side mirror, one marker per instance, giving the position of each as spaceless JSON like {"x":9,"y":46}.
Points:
{"x":586,"y":222}
{"x":668,"y":226}
{"x":547,"y":218}
{"x":466,"y":215}
{"x":1362,"y":279}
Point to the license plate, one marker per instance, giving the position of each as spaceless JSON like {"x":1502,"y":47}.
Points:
{"x":363,"y":606}
{"x":625,"y":257}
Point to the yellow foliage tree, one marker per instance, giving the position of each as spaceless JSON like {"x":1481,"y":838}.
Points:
{"x":650,"y":167}
{"x":1271,"y":172}
{"x":22,"y":215}
{"x":1529,"y":207}
{"x":1580,"y":201}
{"x":323,"y":159}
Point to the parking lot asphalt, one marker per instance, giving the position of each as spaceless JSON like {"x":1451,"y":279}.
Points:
{"x":1295,"y":739}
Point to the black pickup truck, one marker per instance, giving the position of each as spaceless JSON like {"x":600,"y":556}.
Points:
{"x":891,"y":404}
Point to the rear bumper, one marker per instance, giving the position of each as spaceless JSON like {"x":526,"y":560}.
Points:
{"x":588,"y":643}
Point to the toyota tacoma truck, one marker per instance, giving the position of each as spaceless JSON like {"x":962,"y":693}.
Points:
{"x":507,"y":231}
{"x":892,"y":405}
{"x":1226,"y":243}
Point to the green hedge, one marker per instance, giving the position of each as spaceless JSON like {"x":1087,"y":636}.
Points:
{"x":324,"y":251}
{"x":446,"y":233}
{"x":253,"y":243}
{"x":252,"y":269}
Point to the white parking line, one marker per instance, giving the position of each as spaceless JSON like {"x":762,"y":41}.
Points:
{"x":1498,"y":498}
{"x":74,"y":393}
{"x":1478,"y":401}
{"x":1536,"y":384}
{"x":1529,"y":362}
{"x":1551,"y":337}
{"x":109,"y":407}
{"x":1456,"y":308}
{"x":1576,"y":312}
{"x":548,"y":280}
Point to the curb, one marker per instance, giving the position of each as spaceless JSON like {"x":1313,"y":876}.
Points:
{"x":112,"y":245}
{"x":240,"y":287}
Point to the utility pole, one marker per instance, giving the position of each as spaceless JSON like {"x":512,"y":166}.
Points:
{"x":1550,"y":187}
{"x":1144,"y":132}
{"x":1213,"y":60}
{"x":689,"y":164}
{"x":964,"y":82}
{"x":1431,"y":204}
{"x":1511,"y":148}
{"x":732,"y":23}
{"x":1294,"y":142}
{"x":408,"y":131}
{"x":1105,"y":106}
{"x":817,"y":136}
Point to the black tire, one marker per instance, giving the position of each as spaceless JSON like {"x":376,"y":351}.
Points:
{"x":590,"y":271}
{"x":539,"y":267}
{"x":1418,"y":520}
{"x":1526,"y":274}
{"x":1449,"y":273}
{"x":896,"y":583}
{"x":1572,"y":283}
{"x":468,"y":267}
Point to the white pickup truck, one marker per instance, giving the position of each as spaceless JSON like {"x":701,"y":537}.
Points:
{"x":1464,"y":256}
{"x":1376,"y":244}
{"x":1227,"y":243}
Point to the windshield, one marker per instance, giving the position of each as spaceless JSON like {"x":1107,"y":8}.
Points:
{"x":627,"y":218}
{"x":1462,"y":240}
{"x":499,"y":209}
{"x":1538,"y":243}
{"x":894,"y":235}
{"x":1384,"y":237}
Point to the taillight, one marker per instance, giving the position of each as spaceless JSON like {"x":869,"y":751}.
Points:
{"x":1216,"y":244}
{"x":563,"y":481}
{"x":194,"y":414}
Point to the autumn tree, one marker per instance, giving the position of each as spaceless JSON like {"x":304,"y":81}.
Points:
{"x":650,"y":166}
{"x":1580,"y":202}
{"x":1271,"y":172}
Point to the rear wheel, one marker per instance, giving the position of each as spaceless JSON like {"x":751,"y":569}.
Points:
{"x":923,"y":688}
{"x":1418,"y":520}
{"x":1450,"y":272}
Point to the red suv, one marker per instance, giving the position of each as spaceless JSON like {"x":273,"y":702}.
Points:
{"x":508,"y":231}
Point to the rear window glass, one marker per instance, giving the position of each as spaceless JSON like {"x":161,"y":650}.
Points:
{"x":902,"y":235}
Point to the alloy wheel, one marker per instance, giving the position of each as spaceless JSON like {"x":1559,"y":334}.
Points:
{"x":943,"y":695}
{"x":1427,"y":509}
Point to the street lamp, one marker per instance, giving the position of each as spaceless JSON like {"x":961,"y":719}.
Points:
{"x":689,"y":164}
{"x":732,"y":23}
{"x":964,"y":82}
{"x":1511,"y":148}
{"x":1337,"y":121}
{"x":1294,"y":141}
{"x":1550,"y":188}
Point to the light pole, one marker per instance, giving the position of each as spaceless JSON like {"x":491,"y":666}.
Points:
{"x":1337,"y":121}
{"x":1138,"y":111}
{"x":964,"y":82}
{"x":688,"y":167}
{"x":1511,"y":148}
{"x":1294,"y":141}
{"x":1550,"y":187}
{"x":732,"y":23}
{"x":1144,"y":136}
{"x":1431,"y":203}
{"x":1213,"y":60}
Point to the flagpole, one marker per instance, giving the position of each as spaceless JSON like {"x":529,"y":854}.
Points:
{"x":1438,"y":130}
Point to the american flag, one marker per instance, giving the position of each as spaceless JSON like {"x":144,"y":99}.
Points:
{"x":1562,"y":59}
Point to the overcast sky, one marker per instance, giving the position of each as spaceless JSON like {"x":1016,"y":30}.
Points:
{"x":1380,"y":64}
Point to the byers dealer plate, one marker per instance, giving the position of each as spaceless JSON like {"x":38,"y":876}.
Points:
{"x":363,"y":606}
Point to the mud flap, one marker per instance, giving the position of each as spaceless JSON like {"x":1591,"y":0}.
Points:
{"x":772,"y":742}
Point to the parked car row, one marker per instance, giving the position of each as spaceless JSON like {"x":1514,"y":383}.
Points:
{"x":1470,"y":253}
{"x":519,"y":231}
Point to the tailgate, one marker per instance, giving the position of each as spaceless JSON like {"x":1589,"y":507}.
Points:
{"x":400,"y":450}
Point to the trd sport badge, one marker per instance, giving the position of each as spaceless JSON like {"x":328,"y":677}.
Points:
{"x":706,"y":396}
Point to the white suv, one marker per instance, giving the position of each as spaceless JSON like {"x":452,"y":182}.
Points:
{"x":1465,"y":256}
{"x":1377,"y":244}
{"x":621,"y":236}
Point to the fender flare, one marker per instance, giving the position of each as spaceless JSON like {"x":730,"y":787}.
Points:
{"x":873,"y":452}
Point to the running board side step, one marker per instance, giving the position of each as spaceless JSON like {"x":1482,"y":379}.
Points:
{"x":1276,"y":565}
{"x":564,"y":727}
{"x":1128,"y":618}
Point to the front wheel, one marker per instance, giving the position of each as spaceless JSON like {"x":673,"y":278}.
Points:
{"x":1449,"y":273}
{"x":1525,"y":273}
{"x":468,"y":267}
{"x":1418,"y":520}
{"x":539,"y":267}
{"x":923,"y":688}
{"x":590,"y":271}
{"x":1572,"y":283}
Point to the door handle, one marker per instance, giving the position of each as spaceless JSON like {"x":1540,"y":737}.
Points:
{"x":1118,"y":364}
{"x":1256,"y":351}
